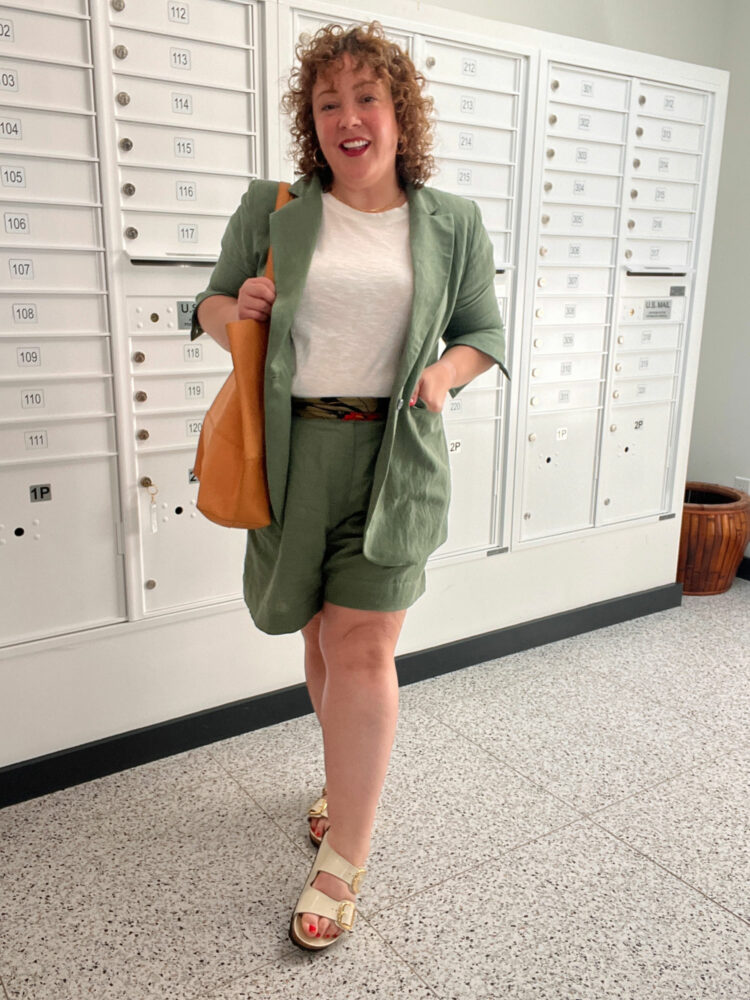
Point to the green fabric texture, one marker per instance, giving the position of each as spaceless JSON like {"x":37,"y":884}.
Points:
{"x":316,"y":555}
{"x":453,"y":298}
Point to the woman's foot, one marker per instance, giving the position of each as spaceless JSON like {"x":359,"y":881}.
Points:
{"x":337,"y":889}
{"x":319,"y":825}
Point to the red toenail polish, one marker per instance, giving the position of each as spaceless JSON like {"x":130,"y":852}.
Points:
{"x":311,"y":928}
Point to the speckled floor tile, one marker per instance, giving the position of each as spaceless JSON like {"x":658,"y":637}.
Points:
{"x":572,"y":731}
{"x":361,"y":966}
{"x":575,"y":915}
{"x":698,"y":826}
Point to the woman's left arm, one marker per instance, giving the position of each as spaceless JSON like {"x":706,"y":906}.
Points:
{"x":456,"y":366}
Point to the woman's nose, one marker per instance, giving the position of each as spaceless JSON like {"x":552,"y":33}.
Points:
{"x":349,"y":116}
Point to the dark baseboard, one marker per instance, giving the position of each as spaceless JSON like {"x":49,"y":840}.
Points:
{"x":64,"y":768}
{"x":744,"y":571}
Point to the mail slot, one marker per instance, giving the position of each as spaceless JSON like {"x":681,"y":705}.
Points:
{"x":672,"y":102}
{"x":49,"y":438}
{"x":38,"y":313}
{"x":663,"y":194}
{"x":579,"y":219}
{"x":470,"y":178}
{"x":183,"y":60}
{"x":43,"y":35}
{"x":568,"y":340}
{"x":29,"y":399}
{"x":657,"y":164}
{"x":586,"y":280}
{"x":475,"y":142}
{"x":601,"y":90}
{"x":185,"y":149}
{"x":26,"y":178}
{"x":158,"y":233}
{"x":674,"y":224}
{"x":571,"y":310}
{"x":50,"y":270}
{"x":176,"y":391}
{"x":580,"y":187}
{"x":471,"y":67}
{"x":32,"y":356}
{"x":160,"y":190}
{"x":583,"y":155}
{"x":47,"y":132}
{"x":668,"y":134}
{"x":651,"y":336}
{"x":211,"y":20}
{"x":26,"y":224}
{"x":64,"y":88}
{"x":482,"y":107}
{"x":182,"y":105}
{"x":582,"y":120}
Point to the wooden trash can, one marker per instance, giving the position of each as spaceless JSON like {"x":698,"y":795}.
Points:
{"x":715,"y":532}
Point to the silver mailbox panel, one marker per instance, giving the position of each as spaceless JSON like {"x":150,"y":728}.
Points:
{"x":27,"y":178}
{"x":31,"y":225}
{"x":209,"y":20}
{"x":162,"y":190}
{"x":28,"y":357}
{"x":49,"y":270}
{"x":182,"y":60}
{"x":580,"y":86}
{"x":185,"y":149}
{"x":465,"y":66}
{"x":43,"y":438}
{"x":159,"y":234}
{"x":52,"y":314}
{"x":63,"y":88}
{"x":47,"y":133}
{"x":43,"y":35}
{"x":481,"y":107}
{"x":181,"y":105}
{"x":28,"y":399}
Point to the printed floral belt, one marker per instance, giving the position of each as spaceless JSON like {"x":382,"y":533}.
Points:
{"x":341,"y":407}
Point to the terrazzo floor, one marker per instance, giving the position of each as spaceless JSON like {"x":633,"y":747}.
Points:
{"x":567,"y":823}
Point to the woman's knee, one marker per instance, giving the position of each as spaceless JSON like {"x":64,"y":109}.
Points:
{"x":359,"y":640}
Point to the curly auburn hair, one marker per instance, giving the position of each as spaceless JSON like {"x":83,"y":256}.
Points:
{"x":368,"y":46}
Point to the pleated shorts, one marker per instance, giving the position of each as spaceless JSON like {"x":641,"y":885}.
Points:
{"x":316,"y":555}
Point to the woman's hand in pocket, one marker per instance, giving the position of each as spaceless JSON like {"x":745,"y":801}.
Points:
{"x":433,"y":385}
{"x":255,"y":298}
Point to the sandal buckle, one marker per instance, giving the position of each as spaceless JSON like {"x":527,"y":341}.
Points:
{"x":346,"y":909}
{"x":358,"y":878}
{"x":318,"y":808}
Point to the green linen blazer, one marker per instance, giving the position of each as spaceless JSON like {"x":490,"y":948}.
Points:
{"x":453,"y":298}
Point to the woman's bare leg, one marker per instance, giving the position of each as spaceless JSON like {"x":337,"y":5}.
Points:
{"x":315,"y":674}
{"x":359,"y":713}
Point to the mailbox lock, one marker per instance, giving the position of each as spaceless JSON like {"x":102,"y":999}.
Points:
{"x":141,"y":397}
{"x":539,"y":313}
{"x":429,"y":62}
{"x":532,"y":436}
{"x":548,"y":185}
{"x":639,"y":131}
{"x":527,"y":517}
{"x":535,"y":373}
{"x":642,"y":99}
{"x":146,"y":481}
{"x":618,"y":367}
{"x":120,"y":51}
{"x":541,"y":282}
{"x":616,"y":394}
{"x":543,"y":251}
{"x":631,"y":223}
{"x":634,"y":193}
{"x":128,"y":189}
{"x":131,"y":233}
{"x":123,"y":98}
{"x":553,"y":119}
{"x":537,"y":342}
{"x":636,"y":163}
{"x":628,"y":254}
{"x":545,"y":220}
{"x":139,"y":357}
{"x":555,"y":84}
{"x":613,"y":427}
{"x":150,"y":584}
{"x":607,"y":502}
{"x":126,"y":145}
{"x":143,"y":435}
{"x":534,"y":401}
{"x":118,"y":5}
{"x":550,"y":154}
{"x":154,"y":317}
{"x":621,"y":339}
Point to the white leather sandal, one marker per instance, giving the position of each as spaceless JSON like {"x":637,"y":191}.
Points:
{"x":318,"y":809}
{"x":342,"y":912}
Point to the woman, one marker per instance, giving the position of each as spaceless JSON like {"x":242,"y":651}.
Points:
{"x":371,"y":269}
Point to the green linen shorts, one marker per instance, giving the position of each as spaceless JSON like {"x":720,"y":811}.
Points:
{"x":316,"y":555}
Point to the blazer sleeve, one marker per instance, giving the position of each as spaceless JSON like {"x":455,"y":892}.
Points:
{"x":476,"y":317}
{"x":239,"y":255}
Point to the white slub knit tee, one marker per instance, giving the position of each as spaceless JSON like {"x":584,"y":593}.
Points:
{"x":352,"y":319}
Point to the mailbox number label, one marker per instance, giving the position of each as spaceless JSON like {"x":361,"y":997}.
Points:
{"x":186,"y":190}
{"x":193,"y":352}
{"x":184,"y":147}
{"x":17,"y":223}
{"x":40,"y":492}
{"x":32,"y":399}
{"x":193,"y":428}
{"x":35,"y":440}
{"x":467,"y":105}
{"x":465,"y":140}
{"x":464,"y":175}
{"x":8,"y":79}
{"x":454,"y":447}
{"x":187,"y":232}
{"x":195,"y":390}
{"x":21,"y":268}
{"x":11,"y":128}
{"x":29,"y":357}
{"x":179,"y":58}
{"x":179,"y":12}
{"x":13,"y":176}
{"x":469,"y":67}
{"x":24,"y":312}
{"x":6,"y":31}
{"x":182,"y":104}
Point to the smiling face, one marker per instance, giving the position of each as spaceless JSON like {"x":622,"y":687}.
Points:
{"x":356,"y":126}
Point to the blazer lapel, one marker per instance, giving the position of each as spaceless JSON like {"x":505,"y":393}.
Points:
{"x":431,"y":240}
